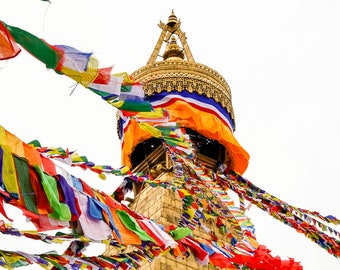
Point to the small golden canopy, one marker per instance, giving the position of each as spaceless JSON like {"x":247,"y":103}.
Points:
{"x":173,"y":50}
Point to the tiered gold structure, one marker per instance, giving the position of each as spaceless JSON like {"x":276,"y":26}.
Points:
{"x":176,"y":71}
{"x":179,"y":71}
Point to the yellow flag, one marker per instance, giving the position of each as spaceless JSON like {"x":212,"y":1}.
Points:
{"x":76,"y":158}
{"x":125,"y":75}
{"x":3,"y":138}
{"x":154,"y":131}
{"x":86,"y":77}
{"x":155,"y":113}
{"x":191,"y":211}
{"x":9,"y":175}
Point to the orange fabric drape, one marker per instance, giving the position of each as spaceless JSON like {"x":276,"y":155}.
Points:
{"x":205,"y":123}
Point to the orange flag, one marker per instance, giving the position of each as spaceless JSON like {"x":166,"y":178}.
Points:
{"x":8,"y":47}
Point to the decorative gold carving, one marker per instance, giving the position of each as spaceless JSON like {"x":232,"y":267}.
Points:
{"x":179,"y":71}
{"x":177,"y":74}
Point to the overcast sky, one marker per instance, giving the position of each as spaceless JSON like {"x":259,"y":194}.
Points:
{"x":280,"y":58}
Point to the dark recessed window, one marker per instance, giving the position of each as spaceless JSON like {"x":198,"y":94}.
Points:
{"x":207,"y":147}
{"x":204,"y":146}
{"x":144,"y":149}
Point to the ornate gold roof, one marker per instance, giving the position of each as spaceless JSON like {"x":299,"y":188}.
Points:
{"x":178,"y":69}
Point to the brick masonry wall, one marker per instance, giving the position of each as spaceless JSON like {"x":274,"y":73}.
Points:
{"x":165,"y":206}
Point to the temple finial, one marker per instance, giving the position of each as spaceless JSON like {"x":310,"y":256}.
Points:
{"x":172,"y":20}
{"x":170,"y":29}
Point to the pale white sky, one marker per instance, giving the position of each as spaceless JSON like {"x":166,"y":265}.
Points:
{"x":280,"y":58}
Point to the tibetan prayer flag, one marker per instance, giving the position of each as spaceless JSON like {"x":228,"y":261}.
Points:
{"x":95,"y":229}
{"x":111,"y":88}
{"x":163,"y":239}
{"x":61,"y":211}
{"x":180,"y":233}
{"x":83,"y":77}
{"x":127,"y":80}
{"x":135,"y":93}
{"x":136,"y":106}
{"x":104,"y":75}
{"x":69,"y":197}
{"x":202,"y":256}
{"x":72,"y":58}
{"x":156,"y":115}
{"x":8,"y":47}
{"x":127,"y":237}
{"x":216,"y":257}
{"x":133,"y":225}
{"x":36,"y":46}
{"x":149,"y":128}
{"x":2,"y":209}
{"x":9,"y":177}
{"x":27,"y":192}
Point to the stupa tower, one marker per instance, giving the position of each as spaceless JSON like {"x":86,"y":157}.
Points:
{"x":195,"y":95}
{"x":199,"y":99}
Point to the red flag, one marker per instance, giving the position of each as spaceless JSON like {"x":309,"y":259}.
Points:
{"x":104,"y":75}
{"x":2,"y":226}
{"x":8,"y":47}
{"x":2,"y":210}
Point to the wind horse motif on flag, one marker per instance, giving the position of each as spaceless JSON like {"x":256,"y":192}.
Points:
{"x":51,"y":198}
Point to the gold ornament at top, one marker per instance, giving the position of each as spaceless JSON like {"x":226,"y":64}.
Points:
{"x":179,"y":71}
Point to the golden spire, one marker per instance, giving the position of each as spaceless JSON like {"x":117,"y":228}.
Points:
{"x":171,"y":28}
{"x":177,"y":70}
